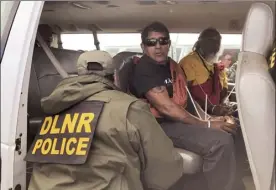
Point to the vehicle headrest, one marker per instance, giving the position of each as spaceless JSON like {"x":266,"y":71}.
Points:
{"x":121,"y":57}
{"x":254,"y":84}
{"x":124,"y":68}
{"x":258,"y":30}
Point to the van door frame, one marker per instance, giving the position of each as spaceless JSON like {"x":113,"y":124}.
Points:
{"x":8,"y":11}
{"x":15,"y":76}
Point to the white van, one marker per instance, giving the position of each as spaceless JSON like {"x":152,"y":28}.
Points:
{"x":29,"y":73}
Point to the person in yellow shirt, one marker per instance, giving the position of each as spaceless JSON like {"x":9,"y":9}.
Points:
{"x":203,"y":74}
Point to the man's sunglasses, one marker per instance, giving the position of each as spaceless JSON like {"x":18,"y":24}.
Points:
{"x":153,"y":41}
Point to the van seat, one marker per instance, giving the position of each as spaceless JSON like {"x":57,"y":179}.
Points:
{"x":44,"y":78}
{"x":125,"y":67}
{"x":256,"y":95}
{"x":119,"y":58}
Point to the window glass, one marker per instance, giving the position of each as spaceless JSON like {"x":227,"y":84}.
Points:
{"x":182,"y":43}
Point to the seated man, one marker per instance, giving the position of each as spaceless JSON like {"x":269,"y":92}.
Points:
{"x":96,"y":137}
{"x":203,"y":74}
{"x":160,"y":81}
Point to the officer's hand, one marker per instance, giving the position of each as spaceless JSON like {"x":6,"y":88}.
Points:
{"x":229,"y":119}
{"x":224,"y":126}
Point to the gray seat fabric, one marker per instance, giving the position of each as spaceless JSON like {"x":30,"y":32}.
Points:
{"x":44,"y":78}
{"x":124,"y":70}
{"x":192,"y":162}
{"x":255,"y":91}
{"x":120,"y":58}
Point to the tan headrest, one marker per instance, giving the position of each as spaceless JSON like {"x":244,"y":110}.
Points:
{"x":258,"y":30}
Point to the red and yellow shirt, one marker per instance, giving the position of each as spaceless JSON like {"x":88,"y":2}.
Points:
{"x":194,"y":70}
{"x":204,"y":78}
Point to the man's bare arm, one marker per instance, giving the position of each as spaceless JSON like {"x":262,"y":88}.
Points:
{"x":160,"y":99}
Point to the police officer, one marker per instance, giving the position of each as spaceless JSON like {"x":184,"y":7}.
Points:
{"x":97,"y":137}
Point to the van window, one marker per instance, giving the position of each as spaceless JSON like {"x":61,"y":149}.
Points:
{"x":8,"y":10}
{"x":181,"y":43}
{"x":112,"y":51}
{"x":178,"y":52}
{"x":134,"y":50}
{"x":78,"y":42}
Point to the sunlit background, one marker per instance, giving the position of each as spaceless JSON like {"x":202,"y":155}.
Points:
{"x":115,"y":43}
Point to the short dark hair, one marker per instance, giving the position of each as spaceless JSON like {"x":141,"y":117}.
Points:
{"x":209,"y":33}
{"x":154,"y":27}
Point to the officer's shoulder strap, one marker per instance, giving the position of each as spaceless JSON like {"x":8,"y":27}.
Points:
{"x":99,"y":98}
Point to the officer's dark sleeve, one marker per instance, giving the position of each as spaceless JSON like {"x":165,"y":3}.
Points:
{"x":145,"y":78}
{"x":161,"y":165}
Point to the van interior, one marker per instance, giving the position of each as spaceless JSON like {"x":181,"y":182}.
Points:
{"x":96,"y":18}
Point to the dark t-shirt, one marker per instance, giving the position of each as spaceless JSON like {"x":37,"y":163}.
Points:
{"x":148,"y":75}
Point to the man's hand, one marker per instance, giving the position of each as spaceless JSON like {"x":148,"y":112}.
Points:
{"x":224,"y":126}
{"x":220,"y":110}
{"x":217,"y":118}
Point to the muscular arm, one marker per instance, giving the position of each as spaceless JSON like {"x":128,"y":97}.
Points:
{"x":160,"y":99}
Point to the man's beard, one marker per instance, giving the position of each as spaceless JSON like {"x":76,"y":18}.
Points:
{"x":211,"y":60}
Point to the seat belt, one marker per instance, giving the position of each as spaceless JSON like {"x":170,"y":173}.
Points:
{"x":193,"y":102}
{"x":52,"y":57}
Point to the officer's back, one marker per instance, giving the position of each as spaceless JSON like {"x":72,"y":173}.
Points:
{"x":97,"y":137}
